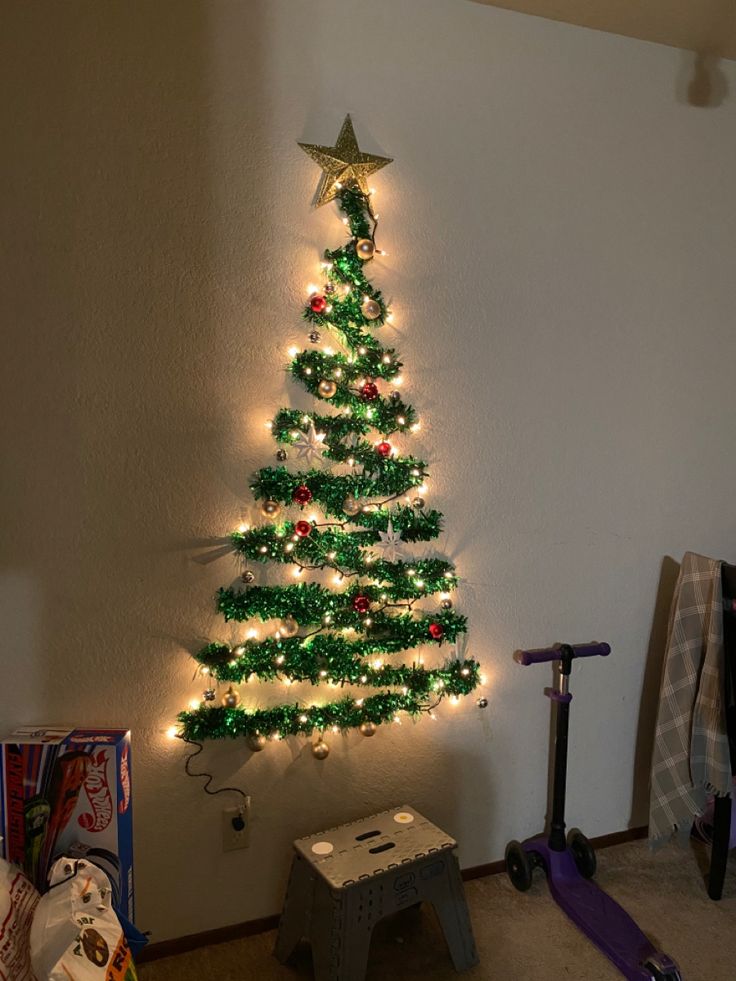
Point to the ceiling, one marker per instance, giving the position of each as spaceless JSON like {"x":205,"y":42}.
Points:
{"x":706,"y":26}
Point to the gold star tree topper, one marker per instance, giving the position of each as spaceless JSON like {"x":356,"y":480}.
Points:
{"x":344,"y":163}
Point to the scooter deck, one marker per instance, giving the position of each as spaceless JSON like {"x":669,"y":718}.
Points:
{"x":600,"y":918}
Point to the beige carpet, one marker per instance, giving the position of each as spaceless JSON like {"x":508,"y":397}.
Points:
{"x":520,"y":936}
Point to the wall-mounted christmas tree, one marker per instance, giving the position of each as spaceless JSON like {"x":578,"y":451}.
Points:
{"x":341,"y":511}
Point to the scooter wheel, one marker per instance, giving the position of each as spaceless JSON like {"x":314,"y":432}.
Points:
{"x":582,"y":852}
{"x":657,"y":975}
{"x":518,"y":866}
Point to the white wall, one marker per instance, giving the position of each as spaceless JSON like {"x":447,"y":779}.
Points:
{"x":560,"y":229}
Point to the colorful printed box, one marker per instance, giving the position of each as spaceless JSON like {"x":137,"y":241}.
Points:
{"x":68,"y":792}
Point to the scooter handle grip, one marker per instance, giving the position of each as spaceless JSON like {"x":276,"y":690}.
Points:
{"x":555,"y":653}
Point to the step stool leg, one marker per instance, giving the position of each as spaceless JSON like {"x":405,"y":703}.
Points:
{"x":294,"y":922}
{"x":340,"y":943}
{"x":448,"y":899}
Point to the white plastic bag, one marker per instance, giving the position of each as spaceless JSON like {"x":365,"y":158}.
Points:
{"x":18,"y":899}
{"x":76,"y":935}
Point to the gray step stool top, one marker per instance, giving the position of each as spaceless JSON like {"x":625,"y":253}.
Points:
{"x":354,"y":852}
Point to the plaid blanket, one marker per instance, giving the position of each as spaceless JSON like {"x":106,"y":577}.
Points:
{"x":691,"y":757}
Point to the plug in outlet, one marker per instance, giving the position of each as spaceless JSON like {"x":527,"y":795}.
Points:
{"x":236,"y":827}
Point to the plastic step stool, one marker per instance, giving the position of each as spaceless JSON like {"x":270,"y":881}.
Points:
{"x":343,"y":881}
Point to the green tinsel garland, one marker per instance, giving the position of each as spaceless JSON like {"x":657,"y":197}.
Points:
{"x":340,"y":634}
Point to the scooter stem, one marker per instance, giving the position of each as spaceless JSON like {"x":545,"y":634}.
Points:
{"x":562,"y":698}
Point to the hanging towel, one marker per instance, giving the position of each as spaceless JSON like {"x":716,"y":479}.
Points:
{"x":691,"y":756}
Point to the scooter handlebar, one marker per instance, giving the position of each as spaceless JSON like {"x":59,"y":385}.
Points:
{"x":555,"y":653}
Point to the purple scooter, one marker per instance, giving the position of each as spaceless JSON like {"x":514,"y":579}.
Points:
{"x":569,"y":861}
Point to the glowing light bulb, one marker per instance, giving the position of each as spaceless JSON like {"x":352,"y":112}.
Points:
{"x":172,"y":732}
{"x":263,"y":549}
{"x":289,"y":547}
{"x":204,"y":671}
{"x":454,"y":700}
{"x":401,"y":420}
{"x":390,"y":317}
{"x":362,"y":350}
{"x":243,"y":527}
{"x":419,"y":584}
{"x":252,"y":633}
{"x":363,"y":679}
{"x":397,"y":720}
{"x":386,"y":359}
{"x":483,"y":679}
{"x":293,"y":351}
{"x":331,"y":555}
{"x":398,"y":381}
{"x":367,"y":621}
{"x":465,"y":672}
{"x":269,"y":425}
{"x":194,"y":704}
{"x":335,"y":729}
{"x":303,"y":718}
{"x":297,"y":572}
{"x":323,"y":674}
{"x":337,"y":579}
{"x":415,"y":427}
{"x":312,"y":289}
{"x":305,"y":421}
{"x":329,"y":351}
{"x":359,"y":702}
{"x":377,"y":664}
{"x":422,"y":488}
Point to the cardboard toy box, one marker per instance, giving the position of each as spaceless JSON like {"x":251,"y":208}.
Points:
{"x":68,"y":792}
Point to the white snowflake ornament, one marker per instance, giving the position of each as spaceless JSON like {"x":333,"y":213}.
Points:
{"x":390,"y":544}
{"x":310,"y":446}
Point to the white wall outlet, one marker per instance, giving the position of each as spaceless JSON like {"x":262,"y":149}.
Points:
{"x":236,"y":827}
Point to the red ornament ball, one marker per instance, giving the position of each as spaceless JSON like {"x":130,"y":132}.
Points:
{"x":302,"y":495}
{"x":369,"y":391}
{"x":436,"y":631}
{"x":303,"y":528}
{"x":361,"y":603}
{"x":317,"y":303}
{"x":383,"y":448}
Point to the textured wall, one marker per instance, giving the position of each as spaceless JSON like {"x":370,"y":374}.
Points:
{"x":560,"y":229}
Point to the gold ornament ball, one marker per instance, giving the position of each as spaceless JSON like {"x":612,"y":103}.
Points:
{"x":365,"y":249}
{"x":370,"y":309}
{"x":270,"y":508}
{"x":231,"y":699}
{"x":350,"y":505}
{"x":418,"y":502}
{"x":327,"y":388}
{"x":256,"y":742}
{"x":368,"y":728}
{"x":289,"y":627}
{"x":320,"y":750}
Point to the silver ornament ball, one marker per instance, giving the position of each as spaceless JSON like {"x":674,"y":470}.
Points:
{"x":289,"y":627}
{"x":395,"y":396}
{"x":350,"y":505}
{"x":209,"y":694}
{"x":418,"y":502}
{"x":365,"y":249}
{"x":320,"y":750}
{"x":371,"y":309}
{"x":281,"y":455}
{"x":482,"y":703}
{"x":446,"y":604}
{"x":256,"y":742}
{"x":368,"y":728}
{"x":248,"y":576}
{"x":315,"y":336}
